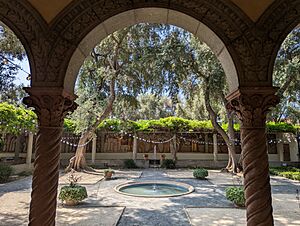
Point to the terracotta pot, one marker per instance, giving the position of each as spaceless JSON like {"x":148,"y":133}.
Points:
{"x":71,"y":202}
{"x":108,"y":175}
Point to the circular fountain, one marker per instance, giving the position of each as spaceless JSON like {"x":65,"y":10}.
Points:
{"x":154,"y":189}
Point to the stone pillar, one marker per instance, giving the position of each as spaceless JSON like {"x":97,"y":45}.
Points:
{"x":134,"y":147}
{"x":251,"y":105}
{"x":279,"y":146}
{"x":94,"y":148}
{"x":29,"y":150}
{"x":51,"y":105}
{"x":173,"y":147}
{"x":206,"y":143}
{"x":215,"y":146}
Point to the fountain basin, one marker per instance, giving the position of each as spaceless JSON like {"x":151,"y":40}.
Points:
{"x":154,"y":189}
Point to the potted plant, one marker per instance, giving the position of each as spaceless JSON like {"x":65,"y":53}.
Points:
{"x":73,"y":193}
{"x":145,"y":156}
{"x":108,"y":173}
{"x":236,"y":194}
{"x":200,"y":173}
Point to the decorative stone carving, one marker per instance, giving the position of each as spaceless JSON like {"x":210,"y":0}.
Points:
{"x":50,"y":104}
{"x":252,"y":105}
{"x":32,"y":31}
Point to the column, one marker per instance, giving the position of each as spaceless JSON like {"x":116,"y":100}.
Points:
{"x":51,"y":105}
{"x":94,"y":147}
{"x":206,"y":143}
{"x":215,"y":146}
{"x":251,"y":105}
{"x":173,"y":147}
{"x":279,"y":146}
{"x":134,"y":147}
{"x":29,"y":150}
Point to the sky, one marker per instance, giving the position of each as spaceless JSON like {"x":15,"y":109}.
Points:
{"x":21,"y":76}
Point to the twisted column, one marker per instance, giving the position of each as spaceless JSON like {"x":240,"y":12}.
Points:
{"x":51,"y":105}
{"x":251,"y":106}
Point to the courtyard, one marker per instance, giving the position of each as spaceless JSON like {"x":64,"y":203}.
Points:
{"x":207,"y":205}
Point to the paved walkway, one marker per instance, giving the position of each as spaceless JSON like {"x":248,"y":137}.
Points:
{"x":206,"y":206}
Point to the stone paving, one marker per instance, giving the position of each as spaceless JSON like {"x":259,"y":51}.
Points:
{"x":207,"y":205}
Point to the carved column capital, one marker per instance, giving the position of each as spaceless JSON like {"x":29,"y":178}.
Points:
{"x":252,"y":104}
{"x":50,"y":104}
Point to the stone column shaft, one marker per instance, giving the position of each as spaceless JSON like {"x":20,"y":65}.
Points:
{"x":206,"y":143}
{"x":134,"y":148}
{"x":51,"y":105}
{"x":251,"y":105}
{"x":215,"y":146}
{"x":94,"y":148}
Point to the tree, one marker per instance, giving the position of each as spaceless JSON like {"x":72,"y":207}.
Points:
{"x":205,"y":65}
{"x":11,"y":49}
{"x":122,"y":66}
{"x":286,"y":76}
{"x":126,"y":64}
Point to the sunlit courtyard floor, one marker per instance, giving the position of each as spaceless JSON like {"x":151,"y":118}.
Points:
{"x":207,"y":205}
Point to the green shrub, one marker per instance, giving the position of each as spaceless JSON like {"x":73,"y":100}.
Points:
{"x":130,"y":164}
{"x":200,"y":173}
{"x":168,"y":164}
{"x":286,"y":171}
{"x":291,"y":175}
{"x":236,"y":195}
{"x":5,"y":173}
{"x":280,"y":127}
{"x":76,"y":193}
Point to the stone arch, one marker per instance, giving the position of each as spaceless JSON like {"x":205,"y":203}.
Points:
{"x":30,"y":28}
{"x":225,"y":23}
{"x":151,"y":15}
{"x":277,"y":22}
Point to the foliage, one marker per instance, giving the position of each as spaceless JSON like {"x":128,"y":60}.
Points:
{"x":109,"y":171}
{"x":11,"y":49}
{"x":200,"y":173}
{"x":236,"y":195}
{"x":130,"y":164}
{"x":286,"y":75}
{"x":5,"y":173}
{"x":76,"y":193}
{"x":73,"y":191}
{"x":168,"y":164}
{"x":286,"y":171}
{"x":69,"y":125}
{"x":280,"y":127}
{"x":14,"y":119}
{"x":177,"y":124}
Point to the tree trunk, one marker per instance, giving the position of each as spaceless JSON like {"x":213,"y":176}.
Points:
{"x":78,"y":162}
{"x":232,"y":162}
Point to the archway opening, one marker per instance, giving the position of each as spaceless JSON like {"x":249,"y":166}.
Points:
{"x":151,"y":15}
{"x":17,"y":123}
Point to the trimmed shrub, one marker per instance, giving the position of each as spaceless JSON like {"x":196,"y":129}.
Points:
{"x":200,"y":173}
{"x":236,"y":195}
{"x":168,"y":164}
{"x":289,"y":172}
{"x":76,"y":193}
{"x":5,"y":173}
{"x":130,"y":164}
